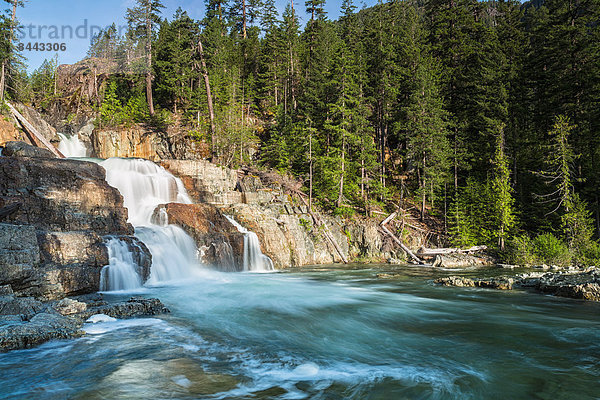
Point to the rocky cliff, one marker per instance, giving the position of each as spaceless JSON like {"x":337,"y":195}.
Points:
{"x":286,"y":230}
{"x":52,"y":242}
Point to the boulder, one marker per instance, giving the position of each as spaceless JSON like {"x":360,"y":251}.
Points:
{"x":460,"y":260}
{"x":19,"y":334}
{"x":219,"y":242}
{"x":21,"y":149}
{"x":134,"y":307}
{"x":61,"y":195}
{"x":70,"y":307}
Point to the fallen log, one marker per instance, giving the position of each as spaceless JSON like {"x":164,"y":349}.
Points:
{"x":31,"y":130}
{"x":326,"y":232}
{"x":425,"y":252}
{"x":398,"y":241}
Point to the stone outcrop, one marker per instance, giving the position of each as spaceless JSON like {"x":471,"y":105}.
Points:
{"x":61,"y":195}
{"x":218,"y":241}
{"x":289,"y":240}
{"x":21,"y":149}
{"x":286,"y":231}
{"x":139,"y":141}
{"x":26,"y":322}
{"x":52,"y":244}
{"x":584,"y":285}
{"x":206,"y":182}
{"x":9,"y":132}
{"x":39,"y":123}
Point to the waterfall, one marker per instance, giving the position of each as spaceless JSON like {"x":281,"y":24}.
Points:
{"x":120,"y":273}
{"x":71,"y":146}
{"x":145,"y":185}
{"x":254,"y":259}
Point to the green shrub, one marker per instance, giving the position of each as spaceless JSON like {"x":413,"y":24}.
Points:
{"x":305,"y":224}
{"x":589,"y":253}
{"x":551,"y":250}
{"x":521,"y":251}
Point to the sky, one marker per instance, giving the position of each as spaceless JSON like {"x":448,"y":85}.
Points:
{"x":73,"y":23}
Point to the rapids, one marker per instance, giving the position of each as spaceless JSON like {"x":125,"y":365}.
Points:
{"x":327,"y":333}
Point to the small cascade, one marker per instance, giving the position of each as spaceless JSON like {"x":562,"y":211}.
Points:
{"x":71,"y":146}
{"x":145,"y":185}
{"x":120,"y":273}
{"x":254,"y":259}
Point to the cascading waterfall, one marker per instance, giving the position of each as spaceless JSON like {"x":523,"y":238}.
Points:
{"x":254,"y":259}
{"x":145,"y":185}
{"x":120,"y":273}
{"x":71,"y":146}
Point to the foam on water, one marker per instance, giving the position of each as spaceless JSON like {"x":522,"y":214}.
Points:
{"x":71,"y":146}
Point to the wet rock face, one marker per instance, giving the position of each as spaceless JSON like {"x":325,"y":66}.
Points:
{"x":53,"y":244}
{"x":61,"y":195}
{"x":219,"y":242}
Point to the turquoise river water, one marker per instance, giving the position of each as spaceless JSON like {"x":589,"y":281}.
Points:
{"x":324,"y":333}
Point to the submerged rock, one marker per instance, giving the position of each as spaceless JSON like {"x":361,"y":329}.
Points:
{"x":576,"y":285}
{"x":502,"y":283}
{"x":134,"y":307}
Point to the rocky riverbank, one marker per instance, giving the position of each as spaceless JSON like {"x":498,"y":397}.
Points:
{"x":26,"y":322}
{"x":583,"y":284}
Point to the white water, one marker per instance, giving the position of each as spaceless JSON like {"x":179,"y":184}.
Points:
{"x":120,"y":273}
{"x":254,"y":259}
{"x":71,"y":146}
{"x":145,"y":185}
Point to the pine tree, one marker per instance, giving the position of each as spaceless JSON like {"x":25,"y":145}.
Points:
{"x":142,"y":20}
{"x":174,"y":51}
{"x":502,"y":191}
{"x":426,"y":126}
{"x":560,"y":159}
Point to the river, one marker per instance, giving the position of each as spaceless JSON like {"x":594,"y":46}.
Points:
{"x":324,"y":333}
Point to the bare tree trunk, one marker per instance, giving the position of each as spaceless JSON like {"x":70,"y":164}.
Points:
{"x":5,"y":62}
{"x":209,"y":99}
{"x":149,"y":62}
{"x":341,"y":193}
{"x":244,"y":18}
{"x":310,"y":174}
